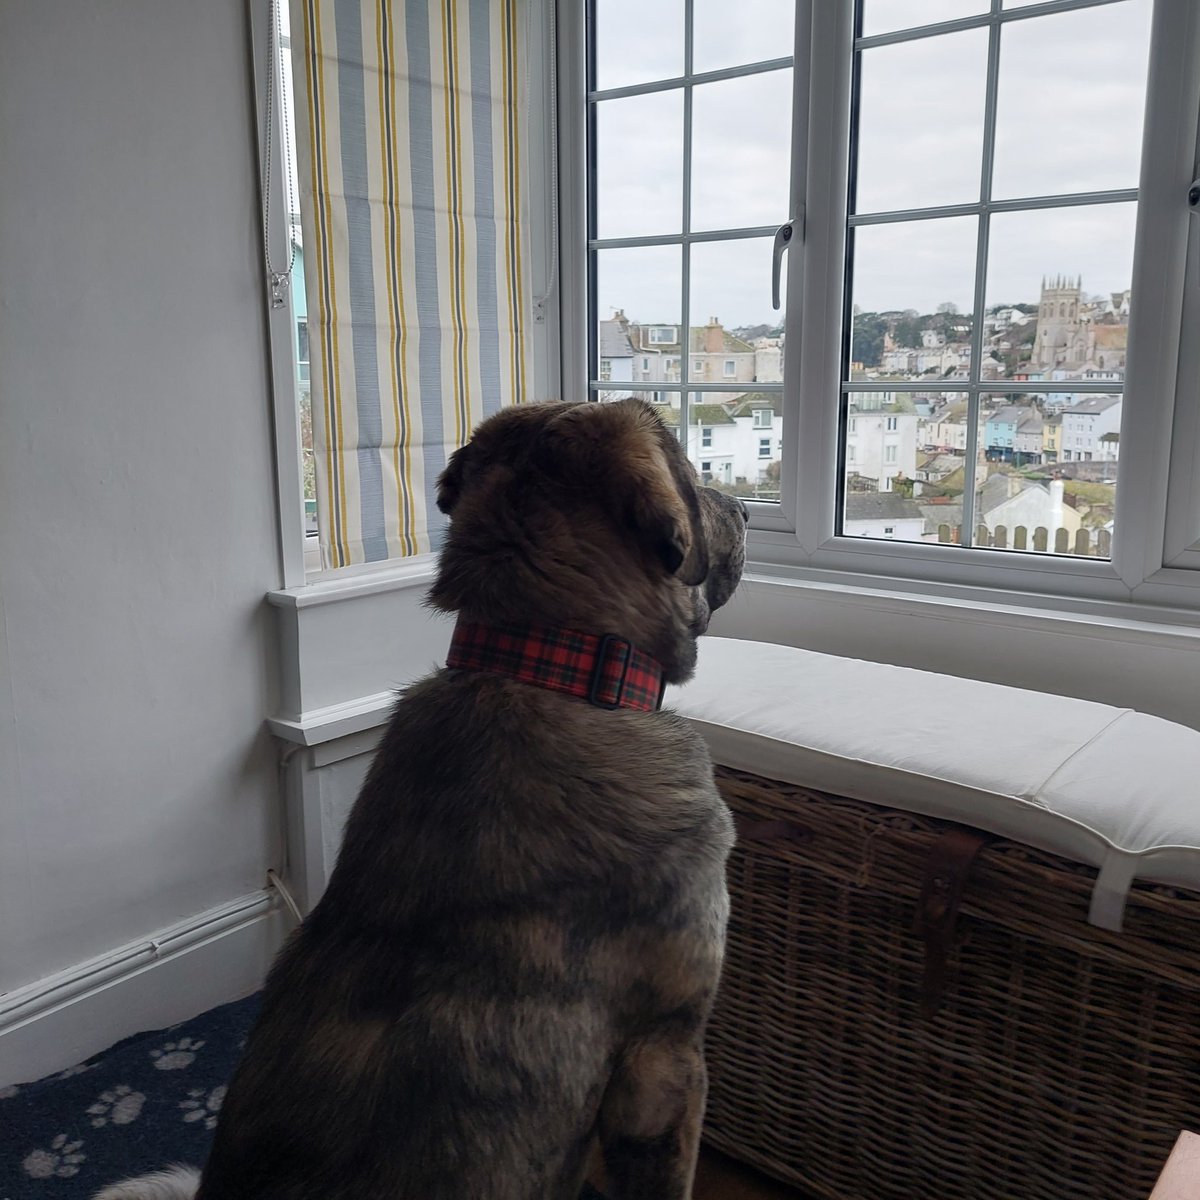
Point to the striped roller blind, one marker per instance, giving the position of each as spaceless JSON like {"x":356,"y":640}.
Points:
{"x":411,"y":122}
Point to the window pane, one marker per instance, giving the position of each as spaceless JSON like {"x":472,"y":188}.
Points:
{"x":912,"y":295}
{"x":736,"y":442}
{"x":725,"y":35}
{"x":882,"y":457}
{"x":628,"y":52}
{"x":1046,"y":473}
{"x":731,"y":314}
{"x":639,"y":165}
{"x":1071,"y":101}
{"x":1069,"y":270}
{"x":741,"y":151}
{"x":638,"y":301}
{"x":886,"y":16}
{"x":920,"y":131}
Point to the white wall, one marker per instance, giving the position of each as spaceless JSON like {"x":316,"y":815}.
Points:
{"x":137,"y":528}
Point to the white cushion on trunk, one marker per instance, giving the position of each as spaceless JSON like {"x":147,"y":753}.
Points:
{"x":1105,"y":786}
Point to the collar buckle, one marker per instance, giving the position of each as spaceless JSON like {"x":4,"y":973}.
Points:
{"x":598,"y":683}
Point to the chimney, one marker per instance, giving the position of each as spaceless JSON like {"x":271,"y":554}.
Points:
{"x":714,"y":337}
{"x":1056,"y":505}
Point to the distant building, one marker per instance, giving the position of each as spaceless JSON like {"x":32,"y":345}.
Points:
{"x":714,"y":354}
{"x":1076,"y":335}
{"x":1051,"y":438}
{"x":889,"y":516}
{"x":1084,"y":429}
{"x":881,"y":443}
{"x":615,"y":350}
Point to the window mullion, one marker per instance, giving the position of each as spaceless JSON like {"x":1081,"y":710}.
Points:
{"x":981,"y":263}
{"x":685,"y":333}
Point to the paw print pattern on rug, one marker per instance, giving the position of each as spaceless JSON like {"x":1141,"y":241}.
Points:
{"x":62,"y":1160}
{"x":120,"y":1105}
{"x":176,"y":1055}
{"x":198,"y":1106}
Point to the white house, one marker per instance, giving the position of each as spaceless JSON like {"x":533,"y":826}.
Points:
{"x":881,"y":444}
{"x":883,"y":515}
{"x":1084,"y":426}
{"x":1012,"y":502}
{"x":615,"y":351}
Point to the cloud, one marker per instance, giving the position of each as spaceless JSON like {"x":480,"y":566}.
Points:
{"x":1069,"y":119}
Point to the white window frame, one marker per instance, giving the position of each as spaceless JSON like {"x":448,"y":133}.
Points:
{"x":729,"y":368}
{"x":653,"y":338}
{"x":1157,"y":553}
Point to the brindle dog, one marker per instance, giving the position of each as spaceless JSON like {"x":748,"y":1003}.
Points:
{"x":519,"y":946}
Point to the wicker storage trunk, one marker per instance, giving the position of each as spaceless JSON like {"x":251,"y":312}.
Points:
{"x":1061,"y":1062}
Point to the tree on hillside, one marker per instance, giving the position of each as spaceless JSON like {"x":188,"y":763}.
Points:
{"x":869,"y":329}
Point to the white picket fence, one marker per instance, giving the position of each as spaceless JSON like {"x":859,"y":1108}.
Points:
{"x":1091,"y":543}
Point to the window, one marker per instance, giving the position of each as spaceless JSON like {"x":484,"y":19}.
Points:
{"x":955,"y":275}
{"x":606,"y":369}
{"x":669,"y":241}
{"x":763,"y":418}
{"x":764,"y":447}
{"x":706,"y":439}
{"x":993,"y":230}
{"x":397,"y":433}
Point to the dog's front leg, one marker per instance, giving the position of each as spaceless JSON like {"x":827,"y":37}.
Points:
{"x":650,"y":1119}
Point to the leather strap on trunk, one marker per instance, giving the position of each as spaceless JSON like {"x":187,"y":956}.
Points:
{"x":946,"y":870}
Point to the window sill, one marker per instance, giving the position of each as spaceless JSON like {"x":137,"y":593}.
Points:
{"x":1004,"y":577}
{"x":1044,"y":613}
{"x":349,"y":640}
{"x":332,"y":587}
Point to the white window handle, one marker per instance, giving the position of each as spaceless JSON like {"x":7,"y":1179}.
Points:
{"x":783,"y":238}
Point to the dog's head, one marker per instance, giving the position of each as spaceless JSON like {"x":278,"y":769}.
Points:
{"x":588,"y":516}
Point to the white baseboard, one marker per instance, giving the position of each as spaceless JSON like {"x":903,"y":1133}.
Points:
{"x":214,"y":957}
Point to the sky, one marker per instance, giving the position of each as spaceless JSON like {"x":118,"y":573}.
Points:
{"x":1069,"y":119}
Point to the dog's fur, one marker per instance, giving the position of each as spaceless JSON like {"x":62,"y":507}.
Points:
{"x":519,"y":946}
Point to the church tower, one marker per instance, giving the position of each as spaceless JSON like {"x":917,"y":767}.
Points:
{"x":1057,"y":340}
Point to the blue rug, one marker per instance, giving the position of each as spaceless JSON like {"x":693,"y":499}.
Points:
{"x":149,"y":1101}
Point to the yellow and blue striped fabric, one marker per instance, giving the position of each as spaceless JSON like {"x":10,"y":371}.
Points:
{"x":411,"y":123}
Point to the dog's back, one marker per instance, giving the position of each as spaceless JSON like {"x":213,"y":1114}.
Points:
{"x":452,"y":1012}
{"x":521,"y":940}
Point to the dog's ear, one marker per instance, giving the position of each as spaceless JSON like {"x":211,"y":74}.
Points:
{"x":666,"y":509}
{"x":452,"y":479}
{"x":623,"y":452}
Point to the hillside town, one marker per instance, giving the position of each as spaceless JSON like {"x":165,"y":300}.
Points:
{"x":1044,"y":460}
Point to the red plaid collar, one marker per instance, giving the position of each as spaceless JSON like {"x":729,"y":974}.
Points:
{"x":607,"y":671}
